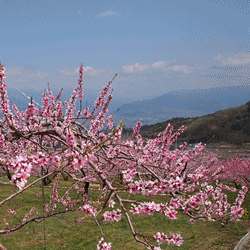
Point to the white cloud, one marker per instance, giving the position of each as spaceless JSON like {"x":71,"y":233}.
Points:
{"x":182,"y":68}
{"x":159,"y":64}
{"x":109,"y":13}
{"x":147,"y":82}
{"x":94,"y":72}
{"x":136,"y":67}
{"x":237,"y":61}
{"x":139,"y":67}
{"x":87,"y":68}
{"x":39,"y":75}
{"x":11,"y":71}
{"x":219,"y":57}
{"x":86,"y":71}
{"x":66,"y":72}
{"x":18,"y":71}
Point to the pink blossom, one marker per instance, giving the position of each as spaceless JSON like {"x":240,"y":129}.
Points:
{"x":5,"y":222}
{"x":80,"y":219}
{"x":32,"y":210}
{"x":11,"y":212}
{"x":89,"y":209}
{"x":85,"y":197}
{"x":171,"y":214}
{"x":111,"y":203}
{"x":236,"y":212}
{"x":133,"y":189}
{"x":80,"y":191}
{"x":105,"y":245}
{"x":112,"y":216}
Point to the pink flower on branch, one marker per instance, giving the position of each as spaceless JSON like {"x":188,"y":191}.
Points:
{"x":5,"y":222}
{"x":89,"y":210}
{"x":11,"y":212}
{"x":112,"y":216}
{"x":175,"y":239}
{"x":104,"y":245}
{"x":111,"y":203}
{"x":171,"y":214}
{"x":80,"y":219}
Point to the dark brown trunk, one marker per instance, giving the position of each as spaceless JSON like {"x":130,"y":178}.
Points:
{"x":86,"y":188}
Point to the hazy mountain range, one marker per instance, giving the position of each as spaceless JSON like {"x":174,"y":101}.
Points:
{"x":183,"y":103}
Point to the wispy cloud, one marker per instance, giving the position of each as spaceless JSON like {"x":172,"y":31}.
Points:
{"x":135,"y":67}
{"x":238,"y":60}
{"x":160,"y":76}
{"x":235,"y":59}
{"x":86,"y":71}
{"x":108,"y":13}
{"x":160,"y":64}
{"x":181,"y":68}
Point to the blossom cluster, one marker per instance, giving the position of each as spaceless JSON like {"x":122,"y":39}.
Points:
{"x":102,"y":245}
{"x":175,"y":239}
{"x":112,"y":216}
{"x":88,"y":209}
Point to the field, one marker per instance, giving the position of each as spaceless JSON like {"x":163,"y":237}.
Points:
{"x":64,"y":232}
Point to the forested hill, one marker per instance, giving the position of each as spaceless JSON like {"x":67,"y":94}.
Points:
{"x":230,"y":125}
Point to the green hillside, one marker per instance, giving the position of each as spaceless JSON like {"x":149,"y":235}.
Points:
{"x":230,"y":125}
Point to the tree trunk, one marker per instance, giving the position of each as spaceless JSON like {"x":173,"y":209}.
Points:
{"x":65,"y":177}
{"x":86,"y":188}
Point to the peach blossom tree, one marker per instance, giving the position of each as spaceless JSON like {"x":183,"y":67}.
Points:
{"x":187,"y":178}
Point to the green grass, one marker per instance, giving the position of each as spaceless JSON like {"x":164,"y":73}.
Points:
{"x":63,"y":232}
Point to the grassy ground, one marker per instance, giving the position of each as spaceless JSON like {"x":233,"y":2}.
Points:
{"x":64,"y":232}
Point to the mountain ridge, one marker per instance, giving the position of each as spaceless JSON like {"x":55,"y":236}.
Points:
{"x":231,"y":125}
{"x":177,"y":104}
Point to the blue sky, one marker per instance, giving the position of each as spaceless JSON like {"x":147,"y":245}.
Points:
{"x":154,"y":46}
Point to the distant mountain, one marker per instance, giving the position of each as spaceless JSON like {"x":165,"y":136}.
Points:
{"x":146,"y":112}
{"x":230,"y":125}
{"x":175,"y":104}
{"x":183,"y":103}
{"x":221,"y":114}
{"x":21,"y":99}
